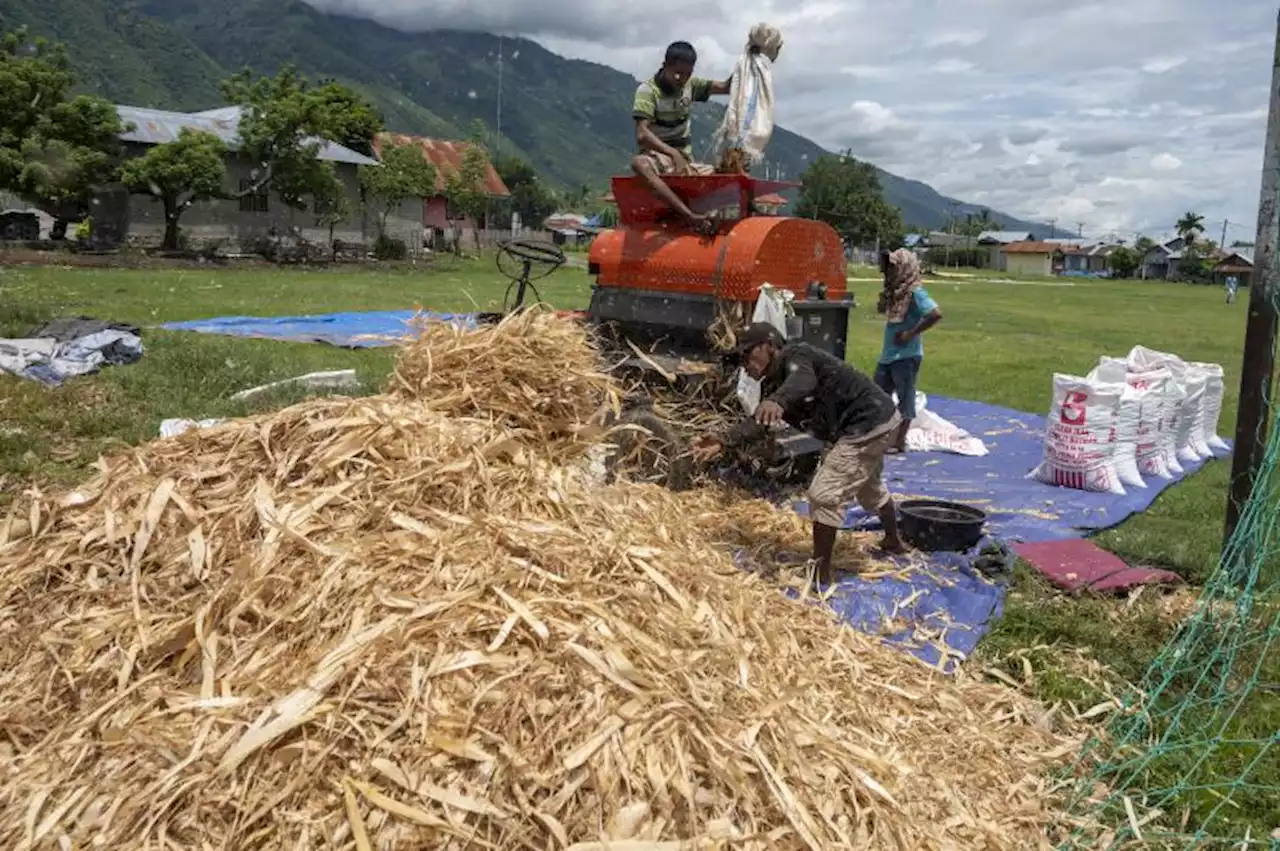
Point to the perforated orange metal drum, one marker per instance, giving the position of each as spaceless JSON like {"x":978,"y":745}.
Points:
{"x":659,"y":283}
{"x":648,"y":254}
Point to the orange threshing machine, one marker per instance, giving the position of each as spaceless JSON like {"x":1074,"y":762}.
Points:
{"x":658,"y":283}
{"x":663,"y":294}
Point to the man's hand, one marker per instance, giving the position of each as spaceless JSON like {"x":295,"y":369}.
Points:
{"x":769,"y":413}
{"x":904,"y":337}
{"x":678,"y":162}
{"x":706,"y":448}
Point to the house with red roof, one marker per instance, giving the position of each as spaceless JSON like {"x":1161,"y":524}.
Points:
{"x":446,"y":156}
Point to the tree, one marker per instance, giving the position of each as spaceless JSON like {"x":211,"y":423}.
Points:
{"x":975,"y":225}
{"x":405,"y":173}
{"x":845,"y":193}
{"x":353,"y":122}
{"x":179,"y":174}
{"x":54,"y":149}
{"x":332,"y":207}
{"x":530,"y":197}
{"x":466,"y":189}
{"x":1189,"y":226}
{"x":1123,"y":261}
{"x":283,"y":124}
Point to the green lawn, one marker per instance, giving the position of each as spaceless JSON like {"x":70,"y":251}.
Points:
{"x":999,"y":343}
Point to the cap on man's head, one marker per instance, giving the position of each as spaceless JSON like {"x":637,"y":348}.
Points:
{"x":757,"y":334}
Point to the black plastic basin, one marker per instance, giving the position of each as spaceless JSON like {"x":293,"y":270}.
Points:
{"x":934,"y":525}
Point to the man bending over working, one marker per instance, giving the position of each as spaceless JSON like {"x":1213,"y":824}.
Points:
{"x":909,"y":312}
{"x":807,"y":387}
{"x":663,"y":111}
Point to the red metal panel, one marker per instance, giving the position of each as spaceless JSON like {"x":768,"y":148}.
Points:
{"x":703,"y":193}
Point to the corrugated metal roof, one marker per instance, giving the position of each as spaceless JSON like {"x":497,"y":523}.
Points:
{"x":1003,"y":236}
{"x":1029,"y":247}
{"x":446,"y":157}
{"x":158,"y":126}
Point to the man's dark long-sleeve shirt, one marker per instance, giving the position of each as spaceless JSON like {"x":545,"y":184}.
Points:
{"x":820,"y":394}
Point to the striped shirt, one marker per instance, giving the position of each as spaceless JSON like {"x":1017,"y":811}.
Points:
{"x":670,"y":116}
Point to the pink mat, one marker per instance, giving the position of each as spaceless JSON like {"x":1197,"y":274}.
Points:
{"x":1078,"y":565}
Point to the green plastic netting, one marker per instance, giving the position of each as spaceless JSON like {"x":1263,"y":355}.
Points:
{"x":1193,"y":760}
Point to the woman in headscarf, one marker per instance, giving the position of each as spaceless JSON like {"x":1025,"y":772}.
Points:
{"x":909,"y":312}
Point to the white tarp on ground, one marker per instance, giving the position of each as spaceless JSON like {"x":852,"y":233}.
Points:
{"x":932,"y":433}
{"x":50,"y":362}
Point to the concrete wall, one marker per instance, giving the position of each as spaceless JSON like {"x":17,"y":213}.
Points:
{"x":239,"y":223}
{"x":1028,"y":264}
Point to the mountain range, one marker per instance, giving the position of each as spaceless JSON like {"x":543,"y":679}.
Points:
{"x":570,"y":118}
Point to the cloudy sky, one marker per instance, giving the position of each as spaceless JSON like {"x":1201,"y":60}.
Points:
{"x":1121,"y":115}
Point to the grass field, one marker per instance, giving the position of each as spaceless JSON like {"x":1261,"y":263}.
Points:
{"x":999,"y":343}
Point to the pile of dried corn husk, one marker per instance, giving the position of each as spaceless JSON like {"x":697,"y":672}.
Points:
{"x":415,"y":621}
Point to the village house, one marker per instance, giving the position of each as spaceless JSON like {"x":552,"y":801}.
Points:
{"x":242,"y":221}
{"x":1160,"y":261}
{"x":438,"y":216}
{"x":1035,"y":257}
{"x":994,"y":242}
{"x":1237,"y":263}
{"x":1087,"y":260}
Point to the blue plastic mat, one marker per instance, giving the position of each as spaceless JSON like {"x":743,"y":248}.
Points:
{"x":1018,"y":508}
{"x":356,"y":330}
{"x":936,"y":609}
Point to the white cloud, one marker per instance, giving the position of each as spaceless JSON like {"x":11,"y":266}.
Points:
{"x":1163,"y":64}
{"x":872,"y":117}
{"x":953,"y":66}
{"x":1041,"y":108}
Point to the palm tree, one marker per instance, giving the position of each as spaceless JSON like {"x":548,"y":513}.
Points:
{"x":1190,"y":225}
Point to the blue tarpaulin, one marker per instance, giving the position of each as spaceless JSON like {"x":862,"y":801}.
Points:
{"x":354,"y":330}
{"x":935,"y":607}
{"x":947,"y":592}
{"x":1018,"y":508}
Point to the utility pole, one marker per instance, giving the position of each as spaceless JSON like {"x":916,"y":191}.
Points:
{"x":1260,"y":332}
{"x":1053,"y":228}
{"x":1079,"y":230}
{"x":497,"y":140}
{"x":1223,"y":243}
{"x":951,"y":229}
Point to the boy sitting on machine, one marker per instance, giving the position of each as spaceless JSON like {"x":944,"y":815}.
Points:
{"x":663,"y":111}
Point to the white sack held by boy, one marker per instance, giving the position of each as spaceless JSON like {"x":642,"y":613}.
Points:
{"x":748,"y":118}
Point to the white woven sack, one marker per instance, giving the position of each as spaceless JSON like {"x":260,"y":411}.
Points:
{"x":748,"y":117}
{"x":1211,"y":408}
{"x":1128,"y":420}
{"x":1079,"y":438}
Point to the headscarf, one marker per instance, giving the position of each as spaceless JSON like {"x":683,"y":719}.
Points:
{"x":901,"y":280}
{"x":765,"y":38}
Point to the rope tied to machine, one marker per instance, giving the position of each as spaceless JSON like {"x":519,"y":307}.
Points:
{"x":747,"y":126}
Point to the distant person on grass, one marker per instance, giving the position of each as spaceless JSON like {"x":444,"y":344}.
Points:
{"x":1233,"y":284}
{"x":663,"y":112}
{"x":909,"y":312}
